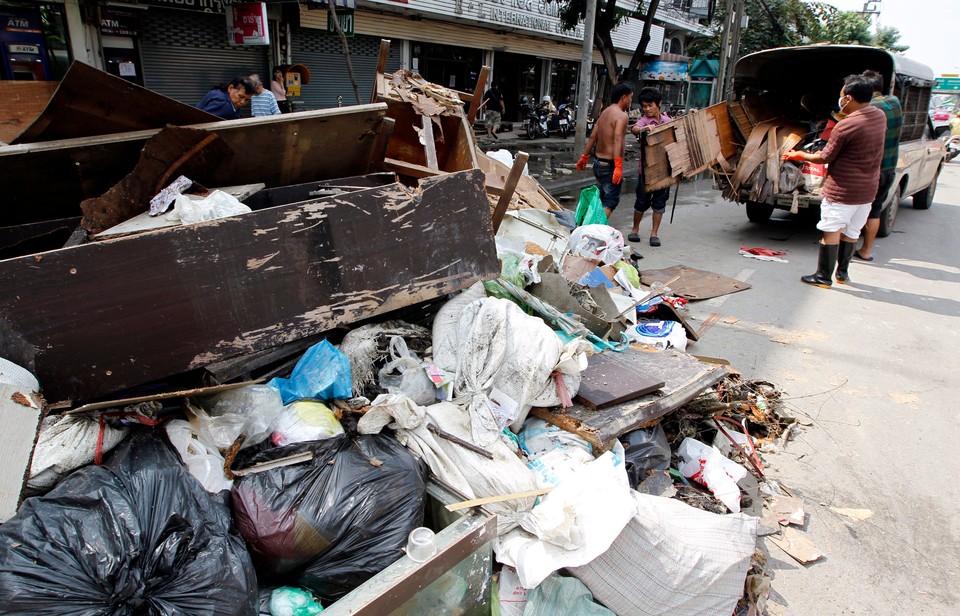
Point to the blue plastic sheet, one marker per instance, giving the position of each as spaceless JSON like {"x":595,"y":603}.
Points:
{"x":323,"y":373}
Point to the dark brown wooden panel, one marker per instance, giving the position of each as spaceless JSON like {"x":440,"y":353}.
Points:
{"x":611,"y":378}
{"x":45,"y":181}
{"x":90,"y":102}
{"x":20,"y":104}
{"x":97,"y":318}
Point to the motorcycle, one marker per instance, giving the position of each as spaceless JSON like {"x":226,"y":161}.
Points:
{"x":539,"y":121}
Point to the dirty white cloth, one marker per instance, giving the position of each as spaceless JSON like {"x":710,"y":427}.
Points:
{"x":571,"y":525}
{"x":492,"y":346}
{"x":597,"y":242}
{"x":67,"y":443}
{"x":673,"y":559}
{"x":466,"y":471}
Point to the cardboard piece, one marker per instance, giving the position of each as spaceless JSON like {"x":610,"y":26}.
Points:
{"x":797,"y":546}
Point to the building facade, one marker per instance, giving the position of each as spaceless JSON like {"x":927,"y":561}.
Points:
{"x":181,"y":48}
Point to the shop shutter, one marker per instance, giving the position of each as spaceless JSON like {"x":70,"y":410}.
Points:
{"x":184,"y":53}
{"x":322,"y":53}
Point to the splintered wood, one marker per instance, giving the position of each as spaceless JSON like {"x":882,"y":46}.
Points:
{"x":697,"y":145}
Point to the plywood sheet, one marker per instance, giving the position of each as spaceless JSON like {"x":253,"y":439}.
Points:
{"x":611,"y":378}
{"x":684,"y":379}
{"x":694,"y":284}
{"x":20,"y":104}
{"x":91,"y":102}
{"x":686,"y":146}
{"x":101,"y":317}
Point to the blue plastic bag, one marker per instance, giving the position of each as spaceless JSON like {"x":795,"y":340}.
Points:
{"x":323,"y":373}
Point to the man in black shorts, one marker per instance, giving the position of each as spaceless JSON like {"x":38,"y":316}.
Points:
{"x":650,"y":100}
{"x":608,"y":137}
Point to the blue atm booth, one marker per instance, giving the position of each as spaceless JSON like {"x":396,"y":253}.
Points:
{"x":22,"y":46}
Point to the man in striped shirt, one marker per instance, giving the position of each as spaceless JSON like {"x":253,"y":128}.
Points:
{"x":890,"y":106}
{"x":263,"y":102}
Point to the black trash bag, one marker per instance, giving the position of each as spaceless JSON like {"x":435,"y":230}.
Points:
{"x":645,"y":450}
{"x":138,"y":535}
{"x":331,"y":524}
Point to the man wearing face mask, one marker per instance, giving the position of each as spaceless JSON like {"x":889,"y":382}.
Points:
{"x":853,"y":153}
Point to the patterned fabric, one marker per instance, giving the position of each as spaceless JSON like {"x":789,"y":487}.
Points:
{"x":891,"y":108}
{"x":264,"y":104}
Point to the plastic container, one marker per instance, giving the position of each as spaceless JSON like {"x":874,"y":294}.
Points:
{"x":421,"y":544}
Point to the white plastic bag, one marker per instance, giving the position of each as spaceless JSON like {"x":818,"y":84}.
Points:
{"x":705,"y":464}
{"x":305,"y":420}
{"x":468,"y":472}
{"x":204,"y":462}
{"x":597,"y":242}
{"x":405,"y":374}
{"x":189,"y":209}
{"x":249,"y":410}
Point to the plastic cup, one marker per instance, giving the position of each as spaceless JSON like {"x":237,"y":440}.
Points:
{"x":420,"y":544}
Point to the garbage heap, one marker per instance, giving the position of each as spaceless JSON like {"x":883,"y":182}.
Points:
{"x":356,"y":397}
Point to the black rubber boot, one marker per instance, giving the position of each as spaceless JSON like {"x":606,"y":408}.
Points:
{"x":844,"y":254}
{"x":825,"y":265}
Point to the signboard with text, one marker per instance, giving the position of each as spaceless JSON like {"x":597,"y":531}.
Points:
{"x":948,"y":84}
{"x":347,"y":19}
{"x":247,"y":24}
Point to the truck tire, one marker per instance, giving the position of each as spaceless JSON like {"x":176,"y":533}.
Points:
{"x":889,"y":214}
{"x":759,"y":212}
{"x":924,"y":199}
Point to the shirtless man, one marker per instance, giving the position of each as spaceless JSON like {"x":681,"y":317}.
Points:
{"x":608,"y":137}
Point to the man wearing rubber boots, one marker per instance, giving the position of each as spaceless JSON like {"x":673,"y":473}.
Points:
{"x":853,"y":154}
{"x":608,"y":136}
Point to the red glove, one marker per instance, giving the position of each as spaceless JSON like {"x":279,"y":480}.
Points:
{"x":794,"y":155}
{"x":617,"y":170}
{"x":582,"y":163}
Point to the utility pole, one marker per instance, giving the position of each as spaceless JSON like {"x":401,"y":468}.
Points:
{"x":586,"y":68}
{"x":733,"y":21}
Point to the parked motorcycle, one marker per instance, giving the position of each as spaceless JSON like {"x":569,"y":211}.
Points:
{"x":541,"y":119}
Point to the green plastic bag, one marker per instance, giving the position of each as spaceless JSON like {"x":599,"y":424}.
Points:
{"x":589,"y":209}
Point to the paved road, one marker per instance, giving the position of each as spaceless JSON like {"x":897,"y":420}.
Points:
{"x":875,"y":365}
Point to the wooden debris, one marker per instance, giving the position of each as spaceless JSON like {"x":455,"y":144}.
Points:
{"x":796,"y":546}
{"x":474,"y":502}
{"x":611,"y":378}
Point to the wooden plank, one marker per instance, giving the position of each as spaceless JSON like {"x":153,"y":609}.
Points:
{"x":91,"y":102}
{"x":409,"y":169}
{"x":611,"y":378}
{"x":694,"y":284}
{"x":511,"y":184}
{"x":429,"y":142}
{"x":27,"y":239}
{"x":382,"y":58}
{"x":685,"y":378}
{"x":478,"y":94}
{"x":170,"y":395}
{"x":45,"y":181}
{"x":21,"y":102}
{"x":500,"y":498}
{"x":20,"y":415}
{"x":105,"y":316}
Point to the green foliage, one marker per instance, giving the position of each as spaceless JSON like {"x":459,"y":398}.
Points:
{"x":784,"y":23}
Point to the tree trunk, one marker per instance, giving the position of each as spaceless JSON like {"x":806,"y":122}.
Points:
{"x":346,"y":50}
{"x":641,"y":49}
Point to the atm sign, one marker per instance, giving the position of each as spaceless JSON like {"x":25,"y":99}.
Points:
{"x":31,"y":49}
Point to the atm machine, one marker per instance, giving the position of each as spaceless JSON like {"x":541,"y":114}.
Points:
{"x":22,"y":46}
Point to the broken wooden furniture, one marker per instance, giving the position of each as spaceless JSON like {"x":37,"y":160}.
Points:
{"x":90,"y":102}
{"x":48,"y":181}
{"x":101,"y":317}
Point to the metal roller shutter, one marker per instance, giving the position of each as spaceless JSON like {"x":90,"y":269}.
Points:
{"x":184,"y":53}
{"x":322,"y":53}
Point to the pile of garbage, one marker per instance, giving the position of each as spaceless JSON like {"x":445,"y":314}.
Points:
{"x":305,"y":487}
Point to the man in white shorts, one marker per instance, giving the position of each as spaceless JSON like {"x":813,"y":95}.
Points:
{"x":853,"y":156}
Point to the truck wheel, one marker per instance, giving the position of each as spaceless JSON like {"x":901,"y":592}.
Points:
{"x":888,"y":215}
{"x":759,"y":212}
{"x":924,"y":199}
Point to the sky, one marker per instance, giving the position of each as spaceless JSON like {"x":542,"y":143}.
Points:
{"x":930,"y":27}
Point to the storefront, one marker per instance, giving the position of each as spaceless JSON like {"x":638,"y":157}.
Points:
{"x":33,"y":41}
{"x":669,"y":75}
{"x":119,"y":36}
{"x":519,"y":76}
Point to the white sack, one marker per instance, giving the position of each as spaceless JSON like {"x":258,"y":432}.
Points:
{"x":500,"y":348}
{"x":445,"y":333}
{"x":673,"y":559}
{"x":466,"y":471}
{"x":68,"y":444}
{"x":572,"y":525}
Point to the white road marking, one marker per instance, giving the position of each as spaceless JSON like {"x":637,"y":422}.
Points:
{"x":716,"y":302}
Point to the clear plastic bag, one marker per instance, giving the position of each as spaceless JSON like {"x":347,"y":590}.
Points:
{"x":304,"y":421}
{"x":404,"y":374}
